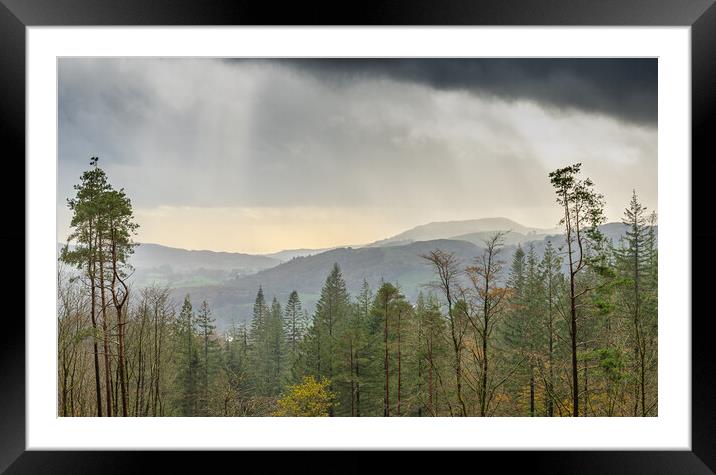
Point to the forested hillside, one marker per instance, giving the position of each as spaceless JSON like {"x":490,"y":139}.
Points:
{"x":558,"y":325}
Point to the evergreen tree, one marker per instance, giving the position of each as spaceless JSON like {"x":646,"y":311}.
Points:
{"x":635,"y":260}
{"x":276,"y":348}
{"x":205,"y":326}
{"x":86,"y":224}
{"x":188,"y":360}
{"x":553,"y":281}
{"x":259,"y":346}
{"x":332,"y":309}
{"x":294,"y":327}
{"x":583,"y":212}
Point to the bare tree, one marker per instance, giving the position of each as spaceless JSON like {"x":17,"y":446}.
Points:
{"x":447,"y":268}
{"x":488,"y":299}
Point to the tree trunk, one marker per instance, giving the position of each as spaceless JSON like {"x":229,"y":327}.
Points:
{"x":573,"y":312}
{"x":105,"y":331}
{"x":386,"y":400}
{"x":357,"y":387}
{"x":119,"y":304}
{"x":486,"y":313}
{"x":550,"y":382}
{"x":353,"y":386}
{"x":532,"y":392}
{"x":483,"y":388}
{"x":92,"y":271}
{"x":430,"y":374}
{"x":399,"y":375}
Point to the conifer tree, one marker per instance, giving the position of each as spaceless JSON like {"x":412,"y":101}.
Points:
{"x":259,"y":346}
{"x":583,"y":212}
{"x":295,"y":326}
{"x":188,"y":360}
{"x":634,"y":260}
{"x":205,"y":326}
{"x":332,"y":309}
{"x":553,"y":281}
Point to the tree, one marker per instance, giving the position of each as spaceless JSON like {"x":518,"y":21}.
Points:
{"x":259,"y":345}
{"x":488,"y":300}
{"x":85,"y":224}
{"x":553,"y":281}
{"x":103,"y":226}
{"x":310,"y":398}
{"x":446,"y":267}
{"x":294,"y":326}
{"x":117,"y":209}
{"x":583,"y":212}
{"x":521,"y":329}
{"x":205,"y":326}
{"x":362,"y":341}
{"x":634,"y":260}
{"x":332,"y":309}
{"x":276,"y":343}
{"x":382,"y":306}
{"x":188,"y":358}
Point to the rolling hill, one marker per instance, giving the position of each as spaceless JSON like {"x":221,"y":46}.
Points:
{"x":229,"y":281}
{"x":401,"y":264}
{"x":454,"y":229}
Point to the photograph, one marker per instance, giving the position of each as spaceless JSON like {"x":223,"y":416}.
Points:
{"x":357,"y":237}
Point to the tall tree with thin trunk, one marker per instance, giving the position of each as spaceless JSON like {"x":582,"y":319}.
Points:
{"x":488,"y":298}
{"x":206,"y":327}
{"x":382,"y":307}
{"x":188,"y":360}
{"x":447,"y":269}
{"x":294,"y":326}
{"x":86,"y":216}
{"x":553,"y":280}
{"x":120,"y":226}
{"x":633,"y":262}
{"x":582,"y":213}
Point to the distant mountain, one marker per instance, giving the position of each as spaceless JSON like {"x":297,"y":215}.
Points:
{"x":401,"y":264}
{"x":451,"y":229}
{"x":509,"y":238}
{"x":156,"y":255}
{"x":289,"y":254}
{"x":174,"y":267}
{"x":229,"y":281}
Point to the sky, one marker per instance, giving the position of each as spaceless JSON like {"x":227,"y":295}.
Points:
{"x":262,"y":155}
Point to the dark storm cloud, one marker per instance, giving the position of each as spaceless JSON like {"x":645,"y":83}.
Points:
{"x":619,"y":87}
{"x":325,"y":134}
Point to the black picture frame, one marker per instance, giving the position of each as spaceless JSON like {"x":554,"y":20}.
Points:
{"x":700,"y":15}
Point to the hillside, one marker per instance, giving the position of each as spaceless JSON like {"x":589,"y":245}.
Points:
{"x":401,"y":264}
{"x":173,"y":267}
{"x":509,"y":239}
{"x":452,"y":229}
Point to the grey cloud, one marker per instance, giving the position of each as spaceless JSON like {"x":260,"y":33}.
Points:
{"x":619,"y":87}
{"x":313,"y":133}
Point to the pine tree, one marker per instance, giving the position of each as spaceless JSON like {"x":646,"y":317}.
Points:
{"x":634,"y":260}
{"x":332,"y":309}
{"x":188,"y":360}
{"x":259,"y":346}
{"x":276,"y":348}
{"x":86,"y":226}
{"x":205,"y":326}
{"x":583,"y":212}
{"x":295,"y":326}
{"x":553,"y":281}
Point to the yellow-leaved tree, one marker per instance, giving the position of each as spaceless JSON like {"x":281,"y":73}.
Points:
{"x":309,"y":398}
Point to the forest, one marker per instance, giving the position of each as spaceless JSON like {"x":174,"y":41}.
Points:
{"x":499,"y":335}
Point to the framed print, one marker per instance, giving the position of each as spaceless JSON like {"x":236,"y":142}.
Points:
{"x":435,"y":228}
